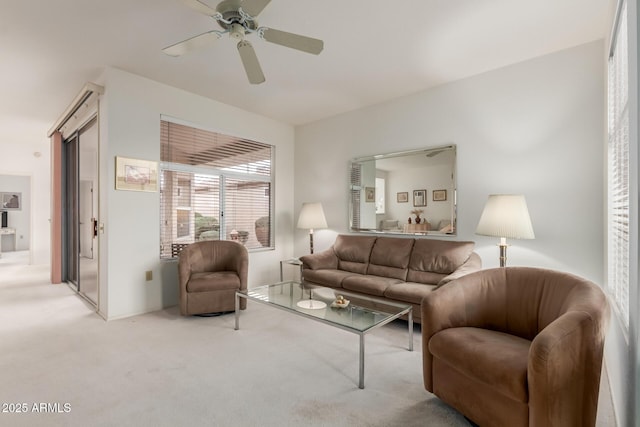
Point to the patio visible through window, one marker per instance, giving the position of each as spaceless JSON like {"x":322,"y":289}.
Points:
{"x":213,"y":186}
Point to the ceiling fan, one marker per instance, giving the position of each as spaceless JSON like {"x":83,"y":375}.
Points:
{"x":238,"y":18}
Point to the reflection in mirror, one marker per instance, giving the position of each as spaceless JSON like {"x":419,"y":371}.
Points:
{"x":411,"y":192}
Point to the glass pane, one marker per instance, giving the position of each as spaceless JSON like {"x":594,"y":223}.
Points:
{"x":247,"y":207}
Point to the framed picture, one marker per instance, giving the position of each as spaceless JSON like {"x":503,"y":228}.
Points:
{"x":439,"y":195}
{"x":402,"y":197}
{"x":419,"y":197}
{"x":369,"y":194}
{"x":136,"y":175}
{"x":11,"y":201}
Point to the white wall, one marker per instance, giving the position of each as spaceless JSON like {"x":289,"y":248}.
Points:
{"x":533,"y":128}
{"x":130,"y":127}
{"x":18,"y":158}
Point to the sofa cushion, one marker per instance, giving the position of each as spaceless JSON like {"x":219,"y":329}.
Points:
{"x":438,"y":256}
{"x":371,"y":285}
{"x":489,"y":357}
{"x":330,"y":278}
{"x":390,"y":257}
{"x":353,"y":252}
{"x":409,"y":292}
{"x":425,"y":277}
{"x":213,"y":281}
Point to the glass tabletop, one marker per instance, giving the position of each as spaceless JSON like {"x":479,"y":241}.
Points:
{"x":361,"y":314}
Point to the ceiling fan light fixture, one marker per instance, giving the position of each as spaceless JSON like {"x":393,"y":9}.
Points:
{"x":236,"y":31}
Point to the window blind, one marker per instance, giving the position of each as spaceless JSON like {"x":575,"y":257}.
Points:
{"x":618,"y":169}
{"x":213,"y":186}
{"x":247,"y":208}
{"x":197,"y":147}
{"x":355,"y":194}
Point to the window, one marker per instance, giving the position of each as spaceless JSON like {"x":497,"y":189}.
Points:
{"x":213,"y":186}
{"x":380,"y":191}
{"x":618,"y":168}
{"x":355,"y":193}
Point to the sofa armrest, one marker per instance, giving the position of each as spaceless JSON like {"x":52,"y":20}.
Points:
{"x":184,"y":270}
{"x":242,"y":267}
{"x":326,"y":259}
{"x":441,"y":309}
{"x":565,"y":363}
{"x":474,"y":263}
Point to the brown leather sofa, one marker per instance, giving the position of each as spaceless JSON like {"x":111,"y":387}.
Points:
{"x":394,"y":268}
{"x":210,"y":272}
{"x":516,"y":346}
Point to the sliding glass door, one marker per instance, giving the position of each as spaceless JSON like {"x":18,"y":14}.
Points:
{"x":80,"y":194}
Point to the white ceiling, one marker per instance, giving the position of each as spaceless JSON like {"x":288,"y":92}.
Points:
{"x":374,"y":50}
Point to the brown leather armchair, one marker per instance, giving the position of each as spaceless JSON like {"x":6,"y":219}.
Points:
{"x":516,"y":346}
{"x":210,"y":272}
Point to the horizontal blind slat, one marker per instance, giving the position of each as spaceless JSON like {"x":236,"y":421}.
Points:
{"x":191,"y":205}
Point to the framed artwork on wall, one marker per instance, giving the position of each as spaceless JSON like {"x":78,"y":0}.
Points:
{"x":11,"y":201}
{"x":369,"y":194}
{"x":419,"y":197}
{"x":136,"y":175}
{"x":402,"y":197}
{"x":439,"y":195}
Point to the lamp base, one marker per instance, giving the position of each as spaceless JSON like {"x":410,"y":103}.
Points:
{"x":503,"y":252}
{"x":311,"y":304}
{"x":503,"y":255}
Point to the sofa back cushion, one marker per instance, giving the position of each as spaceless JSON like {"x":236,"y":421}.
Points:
{"x":441,"y":257}
{"x":353,"y":252}
{"x":390,"y":257}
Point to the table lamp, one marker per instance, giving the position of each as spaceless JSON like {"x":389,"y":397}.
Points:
{"x":505,"y":215}
{"x":311,"y":216}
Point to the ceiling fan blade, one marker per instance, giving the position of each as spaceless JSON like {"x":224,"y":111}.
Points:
{"x":199,"y":7}
{"x":294,"y":41}
{"x":193,"y":43}
{"x":254,"y":7}
{"x":250,"y":62}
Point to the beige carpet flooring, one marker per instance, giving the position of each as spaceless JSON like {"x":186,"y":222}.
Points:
{"x":66,"y":366}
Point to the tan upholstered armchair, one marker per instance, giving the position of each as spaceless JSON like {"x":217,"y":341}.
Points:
{"x":516,"y":346}
{"x":210,"y":272}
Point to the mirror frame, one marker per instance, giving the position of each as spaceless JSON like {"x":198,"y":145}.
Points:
{"x":355,"y":191}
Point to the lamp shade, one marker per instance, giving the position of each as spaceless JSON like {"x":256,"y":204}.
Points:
{"x":506,"y":215}
{"x":312,"y":216}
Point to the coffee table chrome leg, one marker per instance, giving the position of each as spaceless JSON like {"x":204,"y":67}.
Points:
{"x":411,"y":330}
{"x":361,"y":381}
{"x":237,"y":312}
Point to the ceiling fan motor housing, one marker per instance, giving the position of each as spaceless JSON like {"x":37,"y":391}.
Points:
{"x":229,"y":11}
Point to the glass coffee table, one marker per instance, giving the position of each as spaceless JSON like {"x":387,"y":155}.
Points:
{"x":361,"y":315}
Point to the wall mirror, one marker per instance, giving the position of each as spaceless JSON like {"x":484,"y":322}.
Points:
{"x":410,"y":192}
